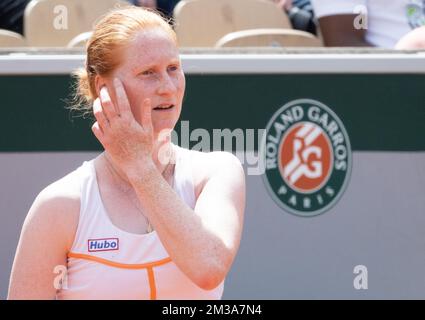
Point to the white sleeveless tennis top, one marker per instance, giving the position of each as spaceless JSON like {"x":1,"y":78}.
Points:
{"x":106,"y":262}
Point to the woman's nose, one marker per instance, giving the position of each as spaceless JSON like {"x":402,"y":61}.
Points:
{"x":166,"y":85}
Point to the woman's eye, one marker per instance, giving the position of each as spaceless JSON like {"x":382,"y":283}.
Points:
{"x":147,"y":73}
{"x":173,"y":68}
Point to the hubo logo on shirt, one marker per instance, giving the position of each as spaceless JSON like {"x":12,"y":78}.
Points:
{"x":104,"y":244}
{"x":307,"y":157}
{"x":415,"y":11}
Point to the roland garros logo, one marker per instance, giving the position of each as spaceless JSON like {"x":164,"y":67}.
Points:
{"x":307,"y":157}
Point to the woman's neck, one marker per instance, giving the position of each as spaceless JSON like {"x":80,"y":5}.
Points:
{"x":163,"y":157}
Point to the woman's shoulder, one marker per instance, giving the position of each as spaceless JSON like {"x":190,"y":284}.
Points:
{"x":213,"y":160}
{"x":206,"y":165}
{"x":56,"y":208}
{"x":65,"y":191}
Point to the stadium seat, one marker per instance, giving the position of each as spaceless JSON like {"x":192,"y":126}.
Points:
{"x":11,"y":39}
{"x":80,"y":40}
{"x":269,"y":38}
{"x":54,"y":23}
{"x":201,"y":23}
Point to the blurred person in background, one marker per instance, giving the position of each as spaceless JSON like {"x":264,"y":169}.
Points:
{"x":165,"y":6}
{"x":12,"y":14}
{"x":372,"y":23}
{"x":300,"y":13}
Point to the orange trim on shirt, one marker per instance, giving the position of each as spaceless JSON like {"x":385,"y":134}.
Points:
{"x":152,"y":285}
{"x":148,"y":266}
{"x":117,"y":264}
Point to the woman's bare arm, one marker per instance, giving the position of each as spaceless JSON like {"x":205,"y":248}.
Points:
{"x":340,"y":31}
{"x":46,"y":237}
{"x":203,"y":242}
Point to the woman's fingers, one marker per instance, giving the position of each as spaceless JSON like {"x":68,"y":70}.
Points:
{"x":122,"y":100}
{"x":98,"y":133}
{"x":100,"y":116}
{"x":113,"y":119}
{"x":107,"y":105}
{"x":147,"y":115}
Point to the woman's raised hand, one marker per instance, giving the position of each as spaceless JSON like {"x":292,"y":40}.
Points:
{"x":126,"y":141}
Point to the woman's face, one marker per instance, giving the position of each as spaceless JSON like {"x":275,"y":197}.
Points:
{"x":151,"y":68}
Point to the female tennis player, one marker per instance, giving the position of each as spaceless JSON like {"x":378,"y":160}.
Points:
{"x":146,"y":219}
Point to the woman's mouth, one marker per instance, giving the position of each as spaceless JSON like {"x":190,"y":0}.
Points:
{"x":164,"y":107}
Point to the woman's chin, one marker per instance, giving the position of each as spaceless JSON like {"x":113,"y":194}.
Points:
{"x":162,"y":130}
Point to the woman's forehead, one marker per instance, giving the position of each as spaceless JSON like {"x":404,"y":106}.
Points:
{"x":150,"y":46}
